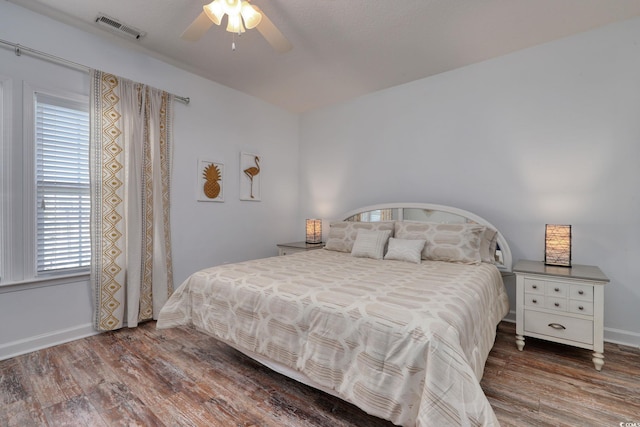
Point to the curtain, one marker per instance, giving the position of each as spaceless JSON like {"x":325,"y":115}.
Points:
{"x":130,"y":162}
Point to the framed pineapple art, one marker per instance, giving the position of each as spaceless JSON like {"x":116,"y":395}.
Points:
{"x":210,"y":181}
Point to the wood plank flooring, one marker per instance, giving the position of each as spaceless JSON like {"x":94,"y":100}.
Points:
{"x":180,"y":377}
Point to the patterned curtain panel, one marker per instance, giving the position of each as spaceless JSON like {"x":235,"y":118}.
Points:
{"x":131,"y":142}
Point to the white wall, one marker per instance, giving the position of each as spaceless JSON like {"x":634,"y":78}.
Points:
{"x":546,"y":135}
{"x":218,"y":124}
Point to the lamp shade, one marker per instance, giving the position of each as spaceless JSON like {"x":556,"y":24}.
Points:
{"x":250,"y":16}
{"x":234,"y":24}
{"x":214,"y":11}
{"x":314,"y":231}
{"x":557,"y":245}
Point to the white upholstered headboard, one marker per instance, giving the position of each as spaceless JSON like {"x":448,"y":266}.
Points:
{"x":428,"y":212}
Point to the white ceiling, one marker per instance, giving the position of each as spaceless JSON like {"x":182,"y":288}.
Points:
{"x":343,"y":49}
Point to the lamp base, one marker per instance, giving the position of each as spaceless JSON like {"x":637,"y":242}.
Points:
{"x":557,"y":265}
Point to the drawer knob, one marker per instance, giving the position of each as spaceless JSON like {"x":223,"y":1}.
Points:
{"x":535,"y":301}
{"x":534,"y":286}
{"x":557,"y":304}
{"x":580,"y":308}
{"x":580,"y":292}
{"x":557,"y":289}
{"x":556,"y":326}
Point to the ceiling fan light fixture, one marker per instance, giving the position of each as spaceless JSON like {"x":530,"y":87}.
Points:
{"x":234,"y":24}
{"x":231,"y":7}
{"x":250,"y":15}
{"x":214,"y":11}
{"x":241,"y":16}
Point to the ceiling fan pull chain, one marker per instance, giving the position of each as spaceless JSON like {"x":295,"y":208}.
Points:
{"x":233,"y":41}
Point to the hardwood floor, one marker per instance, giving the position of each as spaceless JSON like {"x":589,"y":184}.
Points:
{"x":180,"y":377}
{"x":551,"y":384}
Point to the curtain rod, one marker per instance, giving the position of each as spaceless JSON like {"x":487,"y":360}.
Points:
{"x":19,"y":50}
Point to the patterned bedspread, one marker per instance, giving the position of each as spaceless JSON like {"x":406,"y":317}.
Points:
{"x":405,"y":342}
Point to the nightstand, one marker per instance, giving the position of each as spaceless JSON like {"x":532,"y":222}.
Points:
{"x":561,"y":304}
{"x":290,"y":248}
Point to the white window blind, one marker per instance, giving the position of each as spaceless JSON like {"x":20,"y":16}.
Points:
{"x":62,"y":177}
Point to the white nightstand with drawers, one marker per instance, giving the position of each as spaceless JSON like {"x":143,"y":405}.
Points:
{"x":561,"y":304}
{"x":291,"y":248}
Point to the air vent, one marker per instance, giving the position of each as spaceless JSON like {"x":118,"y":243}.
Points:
{"x":114,"y":25}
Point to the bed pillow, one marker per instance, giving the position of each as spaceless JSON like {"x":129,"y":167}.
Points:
{"x":414,"y":231}
{"x":488,"y":245}
{"x":408,"y":250}
{"x":342,"y":234}
{"x":370,"y":243}
{"x":445,"y":242}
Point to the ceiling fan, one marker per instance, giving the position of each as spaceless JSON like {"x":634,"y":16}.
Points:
{"x":240,"y":15}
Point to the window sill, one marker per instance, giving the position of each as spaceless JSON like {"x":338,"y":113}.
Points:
{"x":41,"y":282}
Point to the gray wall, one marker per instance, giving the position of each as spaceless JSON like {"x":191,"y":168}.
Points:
{"x":40,"y":313}
{"x":546,"y":135}
{"x":550,"y":134}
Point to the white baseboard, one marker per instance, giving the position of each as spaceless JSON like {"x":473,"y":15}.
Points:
{"x":619,"y":336}
{"x":510,"y":317}
{"x":615,"y":336}
{"x":38,"y":342}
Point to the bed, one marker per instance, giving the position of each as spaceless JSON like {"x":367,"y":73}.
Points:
{"x":397,"y":314}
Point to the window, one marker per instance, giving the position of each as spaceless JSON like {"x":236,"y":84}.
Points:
{"x":62,"y":184}
{"x":44,"y":174}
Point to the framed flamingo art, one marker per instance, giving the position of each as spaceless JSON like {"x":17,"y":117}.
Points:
{"x":250,"y":177}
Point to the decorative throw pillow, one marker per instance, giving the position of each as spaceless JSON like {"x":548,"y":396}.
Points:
{"x":342,"y":234}
{"x":370,"y":243}
{"x":405,"y":250}
{"x":445,"y":242}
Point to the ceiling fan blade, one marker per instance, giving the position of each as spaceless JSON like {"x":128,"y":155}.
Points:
{"x":272,"y":34}
{"x":198,"y":27}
